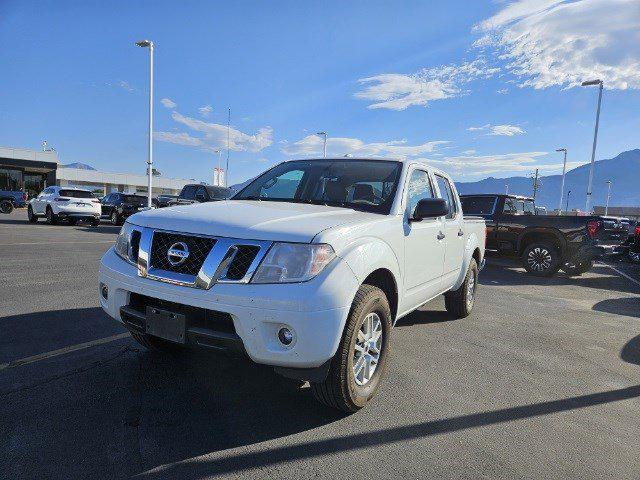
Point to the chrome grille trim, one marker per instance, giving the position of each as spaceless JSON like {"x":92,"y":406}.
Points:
{"x":214,"y":268}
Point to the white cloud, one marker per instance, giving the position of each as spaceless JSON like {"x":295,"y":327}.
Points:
{"x":125,"y":86}
{"x":205,"y":111}
{"x":503,"y":165}
{"x":468,"y":152}
{"x":340,"y":146}
{"x":215,"y":136}
{"x":396,"y":91}
{"x":178,"y":138}
{"x":503,"y":91}
{"x":498,"y":130}
{"x":564,"y":42}
{"x":168,"y":103}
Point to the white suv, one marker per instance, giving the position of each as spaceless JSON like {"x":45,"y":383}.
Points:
{"x":63,"y":203}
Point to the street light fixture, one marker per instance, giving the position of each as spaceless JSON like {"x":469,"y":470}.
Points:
{"x":595,"y":139}
{"x":149,"y":44}
{"x":564,"y":171}
{"x":324,"y":148}
{"x":606,"y":207}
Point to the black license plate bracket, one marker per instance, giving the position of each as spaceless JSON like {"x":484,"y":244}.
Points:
{"x":165,"y":324}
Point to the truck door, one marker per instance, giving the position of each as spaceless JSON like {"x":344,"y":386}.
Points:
{"x":454,"y":235}
{"x":424,"y":246}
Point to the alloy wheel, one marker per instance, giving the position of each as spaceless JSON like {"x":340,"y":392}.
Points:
{"x":367,"y":349}
{"x":539,"y":259}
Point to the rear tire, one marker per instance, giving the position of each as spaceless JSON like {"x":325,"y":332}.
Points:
{"x":575,"y":269}
{"x":355,"y":374}
{"x":6,"y":206}
{"x":94,"y":222}
{"x":51,"y":217}
{"x":459,"y":303}
{"x":541,"y":259}
{"x":31,"y":216}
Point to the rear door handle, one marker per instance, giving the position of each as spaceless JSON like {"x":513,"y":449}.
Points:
{"x":460,"y":233}
{"x":441,"y":236}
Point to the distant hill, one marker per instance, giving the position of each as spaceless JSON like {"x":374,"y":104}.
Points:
{"x":623,"y":171}
{"x":80,"y":166}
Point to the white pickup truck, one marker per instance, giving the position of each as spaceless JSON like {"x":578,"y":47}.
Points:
{"x":306,"y":269}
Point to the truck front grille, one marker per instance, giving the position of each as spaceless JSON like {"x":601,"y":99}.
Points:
{"x":199,"y":248}
{"x":242,"y":261}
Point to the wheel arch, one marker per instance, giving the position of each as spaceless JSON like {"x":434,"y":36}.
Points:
{"x":385,"y":281}
{"x":542,"y":235}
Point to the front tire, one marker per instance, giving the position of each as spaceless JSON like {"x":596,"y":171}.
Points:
{"x":358,"y":366}
{"x":31,"y":216}
{"x":459,"y":303}
{"x":115,"y":218}
{"x":541,"y":259}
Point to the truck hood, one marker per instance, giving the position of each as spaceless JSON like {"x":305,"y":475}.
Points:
{"x":252,"y":220}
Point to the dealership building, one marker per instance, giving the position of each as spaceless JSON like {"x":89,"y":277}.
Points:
{"x":32,"y":171}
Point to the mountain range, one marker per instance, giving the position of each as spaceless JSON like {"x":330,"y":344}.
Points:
{"x":80,"y":166}
{"x":623,"y":171}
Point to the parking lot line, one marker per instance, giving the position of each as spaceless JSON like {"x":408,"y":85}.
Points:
{"x":62,"y":351}
{"x":621,"y":273}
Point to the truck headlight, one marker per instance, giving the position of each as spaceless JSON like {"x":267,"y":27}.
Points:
{"x":293,"y":262}
{"x":123,"y":247}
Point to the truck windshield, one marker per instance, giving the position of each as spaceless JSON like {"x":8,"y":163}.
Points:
{"x":367,"y":185}
{"x":478,"y":205}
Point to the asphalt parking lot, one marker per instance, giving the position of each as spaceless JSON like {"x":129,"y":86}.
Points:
{"x":541,"y":382}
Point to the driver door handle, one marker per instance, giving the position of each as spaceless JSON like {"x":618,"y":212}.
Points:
{"x":440,"y":236}
{"x":460,"y":233}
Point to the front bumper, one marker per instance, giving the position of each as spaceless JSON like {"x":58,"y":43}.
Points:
{"x":316,"y":311}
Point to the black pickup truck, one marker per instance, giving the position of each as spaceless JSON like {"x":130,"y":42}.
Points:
{"x":545,"y":243}
{"x":197,"y":193}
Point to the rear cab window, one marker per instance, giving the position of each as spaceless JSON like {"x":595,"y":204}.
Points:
{"x":478,"y":205}
{"x":75,"y":193}
{"x":446,"y":193}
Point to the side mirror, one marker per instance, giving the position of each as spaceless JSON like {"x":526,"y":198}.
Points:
{"x":430,"y":208}
{"x":200,"y":197}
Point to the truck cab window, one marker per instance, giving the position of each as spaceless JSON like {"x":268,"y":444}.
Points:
{"x":419,"y":187}
{"x":446,"y":193}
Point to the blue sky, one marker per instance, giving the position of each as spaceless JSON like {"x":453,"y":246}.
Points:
{"x":476,"y":88}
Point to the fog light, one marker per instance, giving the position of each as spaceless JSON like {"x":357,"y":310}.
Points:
{"x":285,"y":336}
{"x":104,"y":291}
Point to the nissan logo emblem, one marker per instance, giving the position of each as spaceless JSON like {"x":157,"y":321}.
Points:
{"x":177,"y":253}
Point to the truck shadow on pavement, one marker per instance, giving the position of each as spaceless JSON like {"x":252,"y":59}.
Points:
{"x":627,"y":306}
{"x":163,"y":410}
{"x":286,"y":454}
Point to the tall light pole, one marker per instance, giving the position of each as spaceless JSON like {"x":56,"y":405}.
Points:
{"x":566,"y":209}
{"x":606,"y":206}
{"x":564,"y":171}
{"x":226,"y":171}
{"x":219,"y":152}
{"x":149,"y":44}
{"x":587,"y":207}
{"x":324,"y":148}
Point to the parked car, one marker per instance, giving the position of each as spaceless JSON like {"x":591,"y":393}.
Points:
{"x":545,"y":243}
{"x":164,"y":200}
{"x":196,"y":193}
{"x":117,"y":206}
{"x":10,"y":199}
{"x":63,"y":203}
{"x":306,"y":269}
{"x":633,"y":244}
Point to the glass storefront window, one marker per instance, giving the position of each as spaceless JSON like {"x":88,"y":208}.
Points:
{"x":34,"y":183}
{"x":10,"y":179}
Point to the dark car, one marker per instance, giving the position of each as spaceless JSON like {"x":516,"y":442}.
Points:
{"x":10,"y":199}
{"x":164,"y":200}
{"x":196,"y":193}
{"x":118,"y":206}
{"x":545,"y":243}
